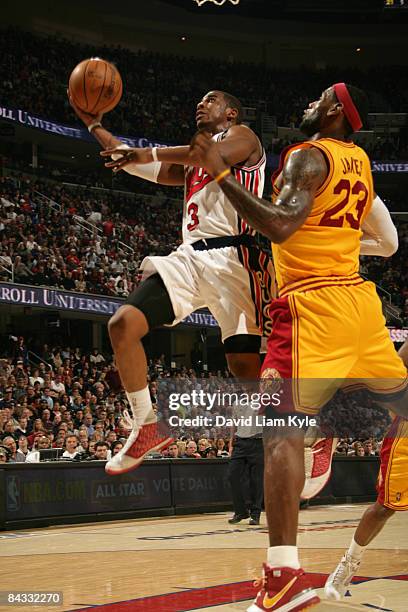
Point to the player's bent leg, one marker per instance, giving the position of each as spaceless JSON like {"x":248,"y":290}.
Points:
{"x":371,"y":523}
{"x":126,"y":329}
{"x":242,"y":353}
{"x":148,"y":306}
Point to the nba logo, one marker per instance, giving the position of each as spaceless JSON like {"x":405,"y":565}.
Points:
{"x":13,"y":493}
{"x":398,"y":497}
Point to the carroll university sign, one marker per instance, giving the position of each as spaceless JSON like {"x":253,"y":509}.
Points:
{"x":57,"y":299}
{"x":22,"y":117}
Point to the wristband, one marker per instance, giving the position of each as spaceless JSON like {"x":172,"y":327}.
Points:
{"x":93,"y":126}
{"x":222,"y":175}
{"x":148,"y":172}
{"x":154,"y":154}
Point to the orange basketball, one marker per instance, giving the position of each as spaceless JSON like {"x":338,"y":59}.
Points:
{"x":95,"y":86}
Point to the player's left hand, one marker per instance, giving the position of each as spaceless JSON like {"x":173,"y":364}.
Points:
{"x":205,"y":153}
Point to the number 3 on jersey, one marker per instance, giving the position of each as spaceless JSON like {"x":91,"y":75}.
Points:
{"x":358,"y":189}
{"x":192,"y":211}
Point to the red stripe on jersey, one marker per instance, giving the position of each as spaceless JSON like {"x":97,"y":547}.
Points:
{"x":256,"y":182}
{"x":255,"y":166}
{"x":250,"y":180}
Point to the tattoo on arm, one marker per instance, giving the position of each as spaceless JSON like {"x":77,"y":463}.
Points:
{"x":304,"y":172}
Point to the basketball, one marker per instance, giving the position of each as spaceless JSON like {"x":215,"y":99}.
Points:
{"x":95,"y":86}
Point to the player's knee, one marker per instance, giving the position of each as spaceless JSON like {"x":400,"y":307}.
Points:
{"x":275,"y":448}
{"x":278,"y":448}
{"x":239,"y":365}
{"x":127,"y":325}
{"x":381,"y":512}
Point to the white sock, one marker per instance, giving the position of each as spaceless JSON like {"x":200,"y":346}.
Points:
{"x":356,"y":551}
{"x":141,"y":405}
{"x":283,"y":556}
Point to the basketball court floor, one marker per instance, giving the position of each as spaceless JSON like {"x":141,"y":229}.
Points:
{"x":195,"y":562}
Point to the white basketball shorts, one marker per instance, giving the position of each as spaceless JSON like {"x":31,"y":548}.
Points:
{"x":215,"y":279}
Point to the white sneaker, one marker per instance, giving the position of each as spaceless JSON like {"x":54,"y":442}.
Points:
{"x":337,"y":583}
{"x":318,"y":465}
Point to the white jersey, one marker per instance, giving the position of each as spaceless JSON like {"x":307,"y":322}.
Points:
{"x":207,"y":212}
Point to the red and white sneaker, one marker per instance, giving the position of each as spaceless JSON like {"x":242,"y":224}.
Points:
{"x":140,"y":443}
{"x":283,"y":589}
{"x":318,"y":466}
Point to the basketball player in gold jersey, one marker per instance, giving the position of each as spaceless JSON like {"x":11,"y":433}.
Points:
{"x":327,"y":322}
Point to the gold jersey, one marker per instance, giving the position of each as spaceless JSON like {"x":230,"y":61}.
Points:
{"x":325,"y":250}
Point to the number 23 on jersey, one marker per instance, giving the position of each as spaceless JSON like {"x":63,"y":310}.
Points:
{"x":351,"y":206}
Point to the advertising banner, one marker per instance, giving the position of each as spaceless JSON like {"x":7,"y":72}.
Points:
{"x":33,"y":493}
{"x":58,"y":299}
{"x":16,"y":115}
{"x":200,"y":483}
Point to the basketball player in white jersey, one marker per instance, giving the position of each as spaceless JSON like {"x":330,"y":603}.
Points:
{"x":219,"y":264}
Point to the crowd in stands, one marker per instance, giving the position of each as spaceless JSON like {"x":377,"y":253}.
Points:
{"x":155,"y":103}
{"x":74,"y":401}
{"x":102,"y":258}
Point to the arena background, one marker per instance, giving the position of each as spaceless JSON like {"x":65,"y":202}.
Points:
{"x":55,"y":195}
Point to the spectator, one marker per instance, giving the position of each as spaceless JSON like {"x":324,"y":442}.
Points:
{"x":369,"y":449}
{"x":36,"y":378}
{"x":202,"y":446}
{"x":101,"y":451}
{"x":173,"y":451}
{"x":10,"y":430}
{"x":221,"y":449}
{"x":10,"y":443}
{"x":210,"y":453}
{"x":57,"y":385}
{"x":96,"y":357}
{"x":41,"y":442}
{"x":191,"y":451}
{"x":91,"y":449}
{"x":22,"y":450}
{"x":71,"y":447}
{"x":88,"y":422}
{"x":4,"y":454}
{"x":116,"y":447}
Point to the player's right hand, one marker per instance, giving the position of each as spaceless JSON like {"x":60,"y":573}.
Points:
{"x":87,"y":118}
{"x":128,"y":155}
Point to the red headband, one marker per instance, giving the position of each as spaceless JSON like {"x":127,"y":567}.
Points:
{"x":349,"y":108}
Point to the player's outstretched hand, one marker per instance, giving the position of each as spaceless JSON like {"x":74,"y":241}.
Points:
{"x":205,"y":153}
{"x":87,"y":118}
{"x":128,"y":155}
